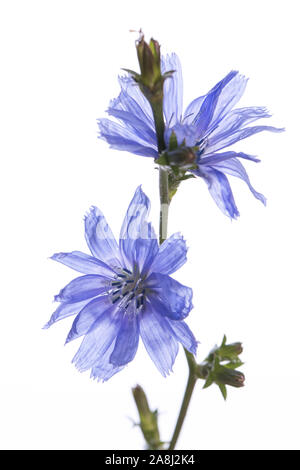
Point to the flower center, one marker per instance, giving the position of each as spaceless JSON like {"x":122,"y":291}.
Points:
{"x":128,"y":290}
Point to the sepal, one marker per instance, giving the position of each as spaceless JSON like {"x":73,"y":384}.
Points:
{"x":177,"y":160}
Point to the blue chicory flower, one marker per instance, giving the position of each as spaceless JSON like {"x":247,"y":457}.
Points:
{"x":209,"y":122}
{"x":126,"y":292}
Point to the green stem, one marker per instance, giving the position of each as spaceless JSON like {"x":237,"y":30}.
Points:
{"x":157,"y":108}
{"x":192,"y":379}
{"x":164,"y":204}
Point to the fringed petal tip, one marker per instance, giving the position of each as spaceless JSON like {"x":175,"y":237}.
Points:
{"x":100,"y":379}
{"x":166,"y":373}
{"x":233,"y":216}
{"x":80,"y":368}
{"x":91,"y":211}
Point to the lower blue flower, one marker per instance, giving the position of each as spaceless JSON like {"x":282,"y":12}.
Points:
{"x":125,"y":293}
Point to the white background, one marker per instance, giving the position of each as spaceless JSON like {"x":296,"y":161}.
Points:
{"x":59,"y":65}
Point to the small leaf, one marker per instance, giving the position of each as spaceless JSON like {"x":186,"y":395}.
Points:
{"x":235,"y":364}
{"x":187,"y":177}
{"x":224,"y":341}
{"x":173,"y":143}
{"x":223,"y":390}
{"x":168,"y":74}
{"x":208,"y":382}
{"x":162,"y":160}
{"x":135,"y":75}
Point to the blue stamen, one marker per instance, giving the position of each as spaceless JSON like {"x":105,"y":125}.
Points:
{"x":127,"y":271}
{"x":116,"y":291}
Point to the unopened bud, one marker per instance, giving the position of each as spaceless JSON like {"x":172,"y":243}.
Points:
{"x":150,"y":80}
{"x":149,"y":60}
{"x":148,"y":419}
{"x":226,"y":376}
{"x":230,"y":352}
{"x":141,"y":400}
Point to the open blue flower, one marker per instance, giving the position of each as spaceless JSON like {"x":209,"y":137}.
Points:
{"x":126,"y":292}
{"x":209,"y":122}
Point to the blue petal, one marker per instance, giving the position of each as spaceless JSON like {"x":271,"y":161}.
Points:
{"x":171,"y":255}
{"x":184,"y":335}
{"x":238,"y":118}
{"x":184,"y":132}
{"x":162,"y":308}
{"x":214,"y":158}
{"x":127,"y":341}
{"x":83,"y":263}
{"x":235,"y":168}
{"x":141,"y":105}
{"x":158,"y":339}
{"x":122,"y":138}
{"x":175,"y":298}
{"x":173,"y":89}
{"x":215,"y":103}
{"x":82,"y":288}
{"x":137,"y":213}
{"x":145,"y":252}
{"x":135,"y":226}
{"x":193,"y":109}
{"x":98,"y":340}
{"x":219,"y":141}
{"x":100,"y":239}
{"x":65,"y":310}
{"x":88,"y":316}
{"x":103,"y":369}
{"x":220,"y":190}
{"x":127,"y":110}
{"x":228,"y":92}
{"x":137,"y":126}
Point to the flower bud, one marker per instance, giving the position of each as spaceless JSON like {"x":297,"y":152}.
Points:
{"x":229,"y":352}
{"x":220,"y":367}
{"x":141,"y":401}
{"x":226,"y":376}
{"x":149,"y":60}
{"x":150,"y":80}
{"x":148,"y":419}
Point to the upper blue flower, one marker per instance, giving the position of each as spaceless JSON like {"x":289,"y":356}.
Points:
{"x":209,"y":122}
{"x":126,"y":292}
